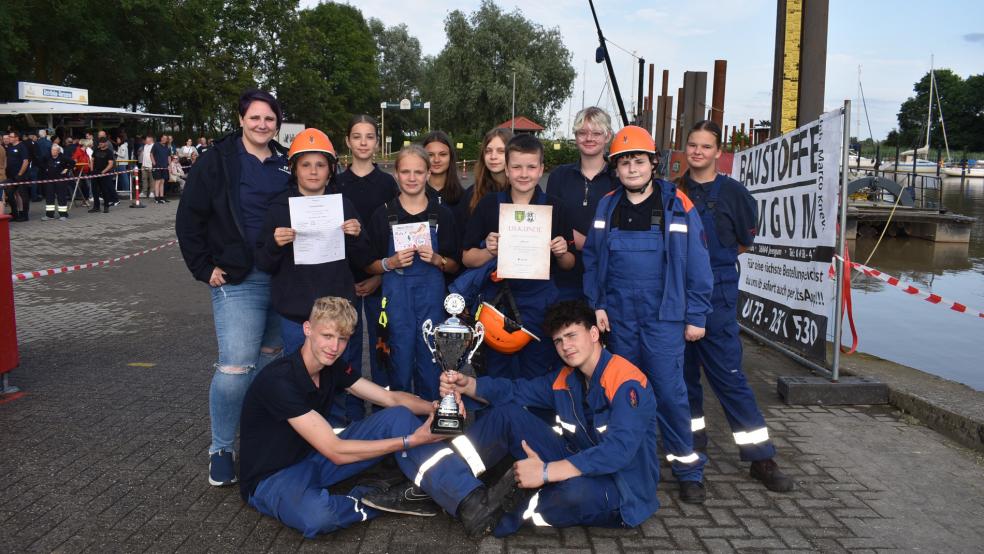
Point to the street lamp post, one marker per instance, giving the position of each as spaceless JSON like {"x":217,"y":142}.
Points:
{"x":382,"y":126}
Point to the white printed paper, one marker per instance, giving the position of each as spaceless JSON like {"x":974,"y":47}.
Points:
{"x":411,"y":235}
{"x":317,"y":221}
{"x":524,"y":241}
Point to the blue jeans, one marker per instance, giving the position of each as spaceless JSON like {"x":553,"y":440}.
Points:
{"x":245,"y":324}
{"x":122,"y":180}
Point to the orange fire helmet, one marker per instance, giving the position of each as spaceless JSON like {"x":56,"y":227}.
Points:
{"x":631,"y":139}
{"x":312,"y":140}
{"x":502,"y":334}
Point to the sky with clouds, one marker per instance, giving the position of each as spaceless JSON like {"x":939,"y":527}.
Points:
{"x":891,"y":40}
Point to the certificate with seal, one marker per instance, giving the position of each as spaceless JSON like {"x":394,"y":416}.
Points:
{"x":318,"y":223}
{"x":524,"y":241}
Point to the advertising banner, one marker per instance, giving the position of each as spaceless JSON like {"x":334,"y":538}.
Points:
{"x":785,"y":293}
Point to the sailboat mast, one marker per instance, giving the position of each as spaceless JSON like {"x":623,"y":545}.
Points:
{"x":858,"y":132}
{"x":929,"y":110}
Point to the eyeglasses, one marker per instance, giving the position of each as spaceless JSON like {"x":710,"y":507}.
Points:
{"x":584,"y":133}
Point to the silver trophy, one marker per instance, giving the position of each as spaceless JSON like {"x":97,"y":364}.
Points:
{"x":452,"y":348}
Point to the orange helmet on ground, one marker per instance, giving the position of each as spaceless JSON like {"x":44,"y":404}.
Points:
{"x":631,"y":139}
{"x":312,"y":140}
{"x":502,"y":334}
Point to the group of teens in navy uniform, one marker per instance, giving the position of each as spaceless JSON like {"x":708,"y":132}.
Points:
{"x":652,"y":264}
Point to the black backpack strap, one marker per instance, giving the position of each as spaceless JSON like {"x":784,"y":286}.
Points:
{"x":392,"y":214}
{"x":432,"y":220}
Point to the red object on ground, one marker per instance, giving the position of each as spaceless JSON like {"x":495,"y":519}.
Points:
{"x":9,"y":356}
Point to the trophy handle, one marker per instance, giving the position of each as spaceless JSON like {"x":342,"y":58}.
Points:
{"x":479,"y":335}
{"x":428,"y":331}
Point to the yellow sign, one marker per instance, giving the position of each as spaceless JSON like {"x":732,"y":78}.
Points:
{"x":791,"y":65}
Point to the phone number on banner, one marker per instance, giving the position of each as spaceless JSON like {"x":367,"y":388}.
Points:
{"x":797,"y":329}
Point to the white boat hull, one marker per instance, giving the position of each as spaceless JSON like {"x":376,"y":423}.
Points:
{"x":969,"y":172}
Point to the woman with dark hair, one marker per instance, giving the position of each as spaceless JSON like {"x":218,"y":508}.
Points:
{"x":368,"y":188}
{"x":218,"y":223}
{"x":490,"y":174}
{"x":729,"y":215}
{"x":443,"y":183}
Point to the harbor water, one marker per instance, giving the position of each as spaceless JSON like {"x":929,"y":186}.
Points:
{"x":908,"y":330}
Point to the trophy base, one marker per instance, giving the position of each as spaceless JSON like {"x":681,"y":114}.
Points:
{"x":448,"y":424}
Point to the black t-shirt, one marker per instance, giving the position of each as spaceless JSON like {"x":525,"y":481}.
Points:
{"x":366,"y":193}
{"x":16,"y":154}
{"x":638,"y":217}
{"x":580,"y":197}
{"x":380,"y":234}
{"x":486,"y":219}
{"x":282,"y":390}
{"x":101,"y":159}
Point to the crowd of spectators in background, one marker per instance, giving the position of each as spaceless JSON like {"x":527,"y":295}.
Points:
{"x":91,"y":170}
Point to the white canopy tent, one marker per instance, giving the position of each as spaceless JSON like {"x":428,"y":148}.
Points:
{"x":50,"y":109}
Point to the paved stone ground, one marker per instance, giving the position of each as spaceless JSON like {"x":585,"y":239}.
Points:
{"x":105,"y":456}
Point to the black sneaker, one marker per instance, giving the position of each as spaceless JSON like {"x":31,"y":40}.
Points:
{"x":403,"y":499}
{"x":692,"y":492}
{"x":93,"y":211}
{"x":771,"y":476}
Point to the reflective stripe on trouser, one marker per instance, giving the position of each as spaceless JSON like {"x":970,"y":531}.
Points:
{"x":720,"y":354}
{"x":432,"y":467}
{"x":579,"y":501}
{"x":657,"y":347}
{"x":298,"y":495}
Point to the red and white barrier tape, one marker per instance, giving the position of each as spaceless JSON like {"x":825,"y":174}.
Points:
{"x":908,"y":288}
{"x":68,"y":269}
{"x":79,"y":177}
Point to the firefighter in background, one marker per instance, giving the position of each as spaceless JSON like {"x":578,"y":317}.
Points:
{"x":728,"y":213}
{"x":647,"y":274}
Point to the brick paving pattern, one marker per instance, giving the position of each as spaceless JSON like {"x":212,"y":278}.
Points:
{"x":104,"y":456}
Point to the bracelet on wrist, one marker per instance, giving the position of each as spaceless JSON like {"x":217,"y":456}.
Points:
{"x":385,"y":265}
{"x":546,"y":479}
{"x":406,"y":445}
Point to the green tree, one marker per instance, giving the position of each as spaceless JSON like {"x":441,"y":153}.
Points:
{"x":231,"y":45}
{"x":329,"y":69}
{"x":953,"y":99}
{"x":398,"y":59}
{"x":185,"y":57}
{"x":469,"y":83}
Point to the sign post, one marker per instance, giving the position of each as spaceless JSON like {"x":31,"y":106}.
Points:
{"x":841,"y":273}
